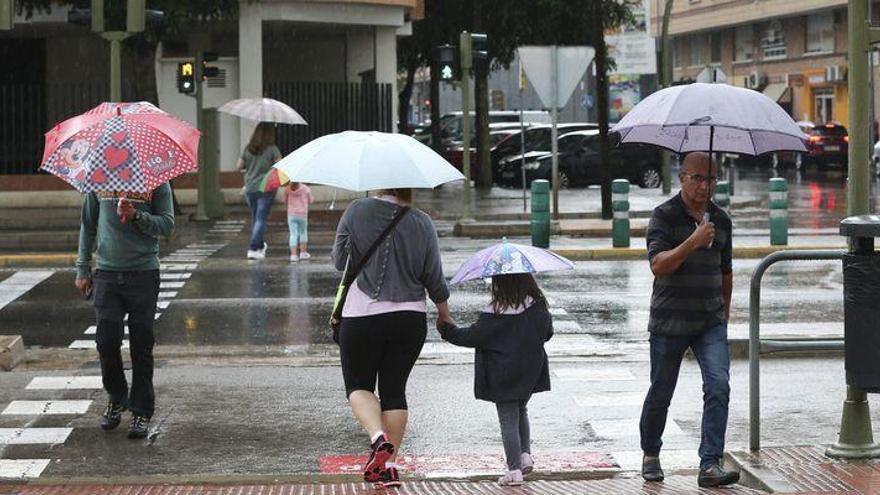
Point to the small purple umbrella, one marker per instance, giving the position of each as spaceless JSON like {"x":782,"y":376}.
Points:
{"x":508,"y":258}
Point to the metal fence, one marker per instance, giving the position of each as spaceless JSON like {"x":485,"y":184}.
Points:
{"x":331,"y":107}
{"x":28,"y":110}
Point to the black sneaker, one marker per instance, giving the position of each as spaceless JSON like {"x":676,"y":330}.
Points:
{"x":112,"y":415}
{"x":382,"y":450}
{"x":651,"y":470}
{"x":715,"y":476}
{"x":388,"y":478}
{"x":139,"y":427}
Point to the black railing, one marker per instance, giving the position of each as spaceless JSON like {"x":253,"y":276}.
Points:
{"x":331,"y":107}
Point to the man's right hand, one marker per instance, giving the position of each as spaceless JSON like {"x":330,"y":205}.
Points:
{"x":704,"y":235}
{"x":83,"y":284}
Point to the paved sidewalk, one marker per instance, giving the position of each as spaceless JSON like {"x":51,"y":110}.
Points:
{"x":631,"y":486}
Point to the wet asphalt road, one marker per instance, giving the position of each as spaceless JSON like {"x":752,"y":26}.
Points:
{"x":278,"y":416}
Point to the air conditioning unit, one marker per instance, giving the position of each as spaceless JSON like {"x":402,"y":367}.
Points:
{"x":754,"y":80}
{"x":834,"y":73}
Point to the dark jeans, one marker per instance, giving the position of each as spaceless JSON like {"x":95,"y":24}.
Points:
{"x":260,"y":205}
{"x":117,"y":294}
{"x":710,"y":349}
{"x":515,"y":431}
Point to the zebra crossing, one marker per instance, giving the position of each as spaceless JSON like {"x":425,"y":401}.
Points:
{"x":226,"y":227}
{"x":175,"y":269}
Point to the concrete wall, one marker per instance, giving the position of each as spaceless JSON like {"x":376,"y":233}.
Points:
{"x":697,"y":15}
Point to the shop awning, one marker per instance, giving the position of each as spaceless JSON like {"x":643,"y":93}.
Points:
{"x":778,"y":92}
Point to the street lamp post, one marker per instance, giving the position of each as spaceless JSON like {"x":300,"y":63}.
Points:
{"x":466,"y":62}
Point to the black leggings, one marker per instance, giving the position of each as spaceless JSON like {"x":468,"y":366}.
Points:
{"x":383,"y":346}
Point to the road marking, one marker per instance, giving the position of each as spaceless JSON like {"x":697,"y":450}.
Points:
{"x":19,"y":283}
{"x":174,"y":276}
{"x":227,"y":222}
{"x":177,"y":267}
{"x":39,"y":407}
{"x":125,"y":319}
{"x":558,"y":312}
{"x":92,"y":330}
{"x":194,"y":252}
{"x":171,"y":285}
{"x":90,"y":344}
{"x":618,"y":428}
{"x":168,"y":294}
{"x":65,"y":383}
{"x":567,"y":326}
{"x":183,"y":259}
{"x":32,"y":436}
{"x":606,"y":399}
{"x":594,"y":374}
{"x":163,"y":304}
{"x":22,"y":468}
{"x":207,"y":246}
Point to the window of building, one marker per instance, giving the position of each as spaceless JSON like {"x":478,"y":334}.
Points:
{"x":743,"y":43}
{"x":677,"y":51}
{"x":715,"y":42}
{"x":820,"y":33}
{"x":773,"y":42}
{"x":697,"y":50}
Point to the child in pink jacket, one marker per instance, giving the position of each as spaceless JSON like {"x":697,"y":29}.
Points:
{"x":298,"y":197}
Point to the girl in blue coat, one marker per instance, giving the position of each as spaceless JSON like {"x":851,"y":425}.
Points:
{"x":510,"y":362}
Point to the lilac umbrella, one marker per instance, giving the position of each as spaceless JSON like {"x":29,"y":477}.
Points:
{"x":711,"y":117}
{"x":508,"y":258}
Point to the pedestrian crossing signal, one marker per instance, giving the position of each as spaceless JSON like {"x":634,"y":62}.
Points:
{"x":186,"y":80}
{"x":447,"y":63}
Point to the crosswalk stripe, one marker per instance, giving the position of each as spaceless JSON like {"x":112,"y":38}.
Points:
{"x":673,"y":460}
{"x":558,"y":312}
{"x":628,"y":427}
{"x":207,"y":246}
{"x":163,"y":304}
{"x":40,"y":407}
{"x":183,"y":259}
{"x":19,"y":283}
{"x":92,"y":330}
{"x":19,"y":469}
{"x":605,"y":399}
{"x":90,"y":344}
{"x":177,"y":267}
{"x":594,"y":374}
{"x":167,"y":294}
{"x":567,"y":326}
{"x":171,"y":285}
{"x":31,"y":436}
{"x":174,"y":276}
{"x":65,"y":383}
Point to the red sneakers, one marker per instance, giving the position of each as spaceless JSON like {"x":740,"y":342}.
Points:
{"x":389,"y":478}
{"x":382,"y":451}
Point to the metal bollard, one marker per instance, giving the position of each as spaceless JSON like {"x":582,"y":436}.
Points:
{"x":620,"y":206}
{"x":778,"y":212}
{"x":540,"y":221}
{"x":722,"y":195}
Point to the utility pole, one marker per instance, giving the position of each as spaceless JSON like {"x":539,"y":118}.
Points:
{"x":554,"y":130}
{"x":602,"y":105}
{"x":466,"y":62}
{"x":665,"y":68}
{"x":209,"y":203}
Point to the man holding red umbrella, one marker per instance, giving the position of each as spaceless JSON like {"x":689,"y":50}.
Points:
{"x":122,"y":156}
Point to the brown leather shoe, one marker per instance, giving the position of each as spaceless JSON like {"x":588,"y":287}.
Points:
{"x":715,"y":476}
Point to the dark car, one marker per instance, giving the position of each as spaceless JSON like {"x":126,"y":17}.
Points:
{"x":537,"y":139}
{"x":579,"y":163}
{"x":827,"y":144}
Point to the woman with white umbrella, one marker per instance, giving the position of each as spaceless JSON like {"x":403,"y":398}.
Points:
{"x":391,"y":257}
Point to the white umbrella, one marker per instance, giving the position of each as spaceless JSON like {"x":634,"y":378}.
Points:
{"x":367,"y":161}
{"x":263,"y":110}
{"x":711,"y":117}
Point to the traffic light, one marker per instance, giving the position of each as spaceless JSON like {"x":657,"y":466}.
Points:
{"x":186,"y":78}
{"x":447,"y":63}
{"x":209,"y":70}
{"x":480,"y":47}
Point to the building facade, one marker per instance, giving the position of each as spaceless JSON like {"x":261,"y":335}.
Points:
{"x":793,"y":51}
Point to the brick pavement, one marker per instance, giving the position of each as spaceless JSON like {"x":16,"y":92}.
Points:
{"x":678,"y":485}
{"x":807,"y":470}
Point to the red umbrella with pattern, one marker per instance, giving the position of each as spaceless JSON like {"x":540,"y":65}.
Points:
{"x":121,"y":147}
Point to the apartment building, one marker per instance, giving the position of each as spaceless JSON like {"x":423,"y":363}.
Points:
{"x":793,"y":51}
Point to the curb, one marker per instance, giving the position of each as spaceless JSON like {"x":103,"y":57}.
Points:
{"x":37,"y":260}
{"x":757,"y":475}
{"x":745,"y":252}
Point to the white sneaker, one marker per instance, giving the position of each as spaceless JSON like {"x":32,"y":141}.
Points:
{"x":265,"y":248}
{"x":294,"y":257}
{"x":527,"y":463}
{"x":252,"y":255}
{"x":304,"y":255}
{"x":512,"y":478}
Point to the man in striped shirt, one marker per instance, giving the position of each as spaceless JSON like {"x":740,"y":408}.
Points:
{"x":690,"y":250}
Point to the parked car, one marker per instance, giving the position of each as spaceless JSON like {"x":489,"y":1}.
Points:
{"x":451,"y":124}
{"x":828,"y":144}
{"x":580,"y":165}
{"x":537,"y":138}
{"x":497,"y":133}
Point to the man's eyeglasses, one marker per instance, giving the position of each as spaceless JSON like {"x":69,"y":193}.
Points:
{"x":700,"y":178}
